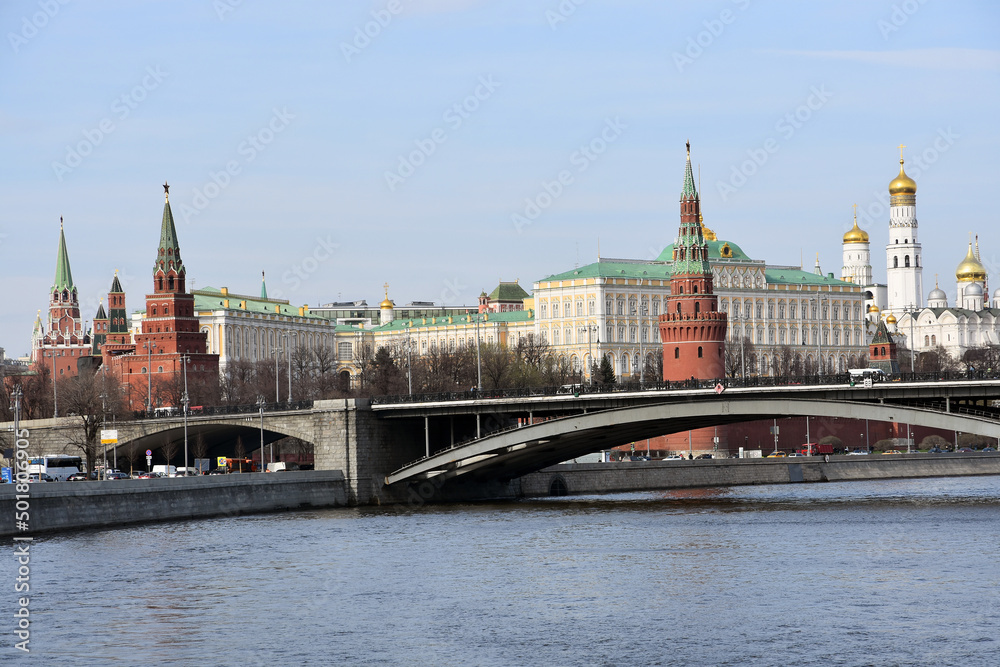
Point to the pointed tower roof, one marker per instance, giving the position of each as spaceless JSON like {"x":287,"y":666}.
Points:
{"x":116,"y":287}
{"x":169,"y":250}
{"x":39,"y":327}
{"x":101,"y":315}
{"x":263,"y":287}
{"x":64,"y":276}
{"x":882,"y":335}
{"x":688,"y":191}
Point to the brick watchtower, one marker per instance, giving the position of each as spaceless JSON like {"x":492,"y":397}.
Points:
{"x":692,"y":329}
{"x":170,"y":330}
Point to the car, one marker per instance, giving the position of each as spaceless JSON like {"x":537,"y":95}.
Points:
{"x":218,"y":471}
{"x":857,"y":452}
{"x":796,"y":455}
{"x":988,"y":449}
{"x":187,"y":473}
{"x":966,"y":450}
{"x":891,"y":451}
{"x":78,"y":477}
{"x":776,"y":455}
{"x":116,"y":475}
{"x":674,"y":457}
{"x":704,"y":456}
{"x":40,"y":477}
{"x":935,"y":450}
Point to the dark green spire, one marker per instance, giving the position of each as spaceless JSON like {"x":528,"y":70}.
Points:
{"x":168,"y":254}
{"x":64,"y":276}
{"x":263,"y":287}
{"x":116,"y":287}
{"x":689,"y":191}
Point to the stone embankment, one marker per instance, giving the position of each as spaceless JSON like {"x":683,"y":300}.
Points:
{"x":585,"y":478}
{"x":57,"y":506}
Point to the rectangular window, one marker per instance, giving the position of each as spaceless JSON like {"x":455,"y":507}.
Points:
{"x":344,"y":352}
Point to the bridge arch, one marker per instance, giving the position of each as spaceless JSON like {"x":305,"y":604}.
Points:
{"x":516,"y":452}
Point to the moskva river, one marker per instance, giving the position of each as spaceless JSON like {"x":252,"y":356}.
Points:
{"x":858,"y":573}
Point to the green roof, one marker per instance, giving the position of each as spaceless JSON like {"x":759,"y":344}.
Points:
{"x":64,"y":276}
{"x":688,"y":191}
{"x":795,"y":276}
{"x":508,"y":317}
{"x":616,"y":269}
{"x":509,"y":292}
{"x":714,"y":251}
{"x":211,"y":298}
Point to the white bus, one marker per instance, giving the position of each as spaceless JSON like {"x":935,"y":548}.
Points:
{"x":862,"y":374}
{"x":56,"y":466}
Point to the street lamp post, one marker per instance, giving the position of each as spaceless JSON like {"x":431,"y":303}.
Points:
{"x":55,"y":395}
{"x":185,"y":399}
{"x":149,"y":376}
{"x":288,"y":353}
{"x":479,"y":360}
{"x":277,"y":396}
{"x":260,"y":406}
{"x":409,"y":367}
{"x":590,"y":353}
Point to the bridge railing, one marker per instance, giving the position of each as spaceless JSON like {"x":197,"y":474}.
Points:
{"x":221,"y":410}
{"x":621,"y":387}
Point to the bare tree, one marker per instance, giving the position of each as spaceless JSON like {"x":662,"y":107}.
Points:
{"x":90,"y":397}
{"x":239,"y":451}
{"x":169,"y":448}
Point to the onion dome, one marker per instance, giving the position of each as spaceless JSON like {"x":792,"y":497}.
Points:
{"x":385,"y":303}
{"x":975,"y":289}
{"x":971,"y":269}
{"x":902,"y":184}
{"x":937,"y":294}
{"x":856,"y":234}
{"x":890,"y":319}
{"x":874,"y":309}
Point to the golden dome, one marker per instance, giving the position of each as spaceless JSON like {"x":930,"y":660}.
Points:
{"x":705,"y":231}
{"x":902,"y":184}
{"x":386,"y":303}
{"x":971,"y":269}
{"x":873,"y":309}
{"x":891,"y":319}
{"x":856,"y":234}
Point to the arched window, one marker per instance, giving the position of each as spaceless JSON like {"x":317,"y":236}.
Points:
{"x":700,"y":354}
{"x":927,"y":341}
{"x":882,"y":352}
{"x":697,"y":307}
{"x":678,"y":308}
{"x":677,"y":353}
{"x":895,"y":262}
{"x":906,"y":261}
{"x":694,"y":289}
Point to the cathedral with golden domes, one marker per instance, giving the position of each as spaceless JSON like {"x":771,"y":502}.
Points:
{"x":931,"y":325}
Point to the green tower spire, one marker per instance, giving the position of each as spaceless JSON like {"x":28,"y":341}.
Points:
{"x":168,"y":255}
{"x":689,"y":191}
{"x":263,"y":287}
{"x":64,"y":276}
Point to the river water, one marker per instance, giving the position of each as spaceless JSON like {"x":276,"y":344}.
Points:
{"x":859,"y":573}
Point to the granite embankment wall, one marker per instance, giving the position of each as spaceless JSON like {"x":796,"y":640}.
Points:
{"x":58,"y":506}
{"x":581,"y":478}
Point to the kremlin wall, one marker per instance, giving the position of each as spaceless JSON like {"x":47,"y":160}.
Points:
{"x":703,"y":309}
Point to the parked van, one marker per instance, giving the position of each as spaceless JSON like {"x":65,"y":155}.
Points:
{"x":282,"y":466}
{"x":165,"y":471}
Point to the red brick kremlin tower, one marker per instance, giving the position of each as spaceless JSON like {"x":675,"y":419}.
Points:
{"x":169,"y":331}
{"x":59,"y":349}
{"x":692,"y":329}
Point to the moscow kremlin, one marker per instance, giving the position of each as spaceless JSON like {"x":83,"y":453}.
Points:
{"x":702,"y":310}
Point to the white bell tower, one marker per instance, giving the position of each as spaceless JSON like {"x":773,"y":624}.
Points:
{"x":903,"y":254}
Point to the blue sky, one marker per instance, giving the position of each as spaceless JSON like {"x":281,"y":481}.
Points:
{"x":336,"y":160}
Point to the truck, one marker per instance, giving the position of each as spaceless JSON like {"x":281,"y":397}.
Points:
{"x":815,"y":449}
